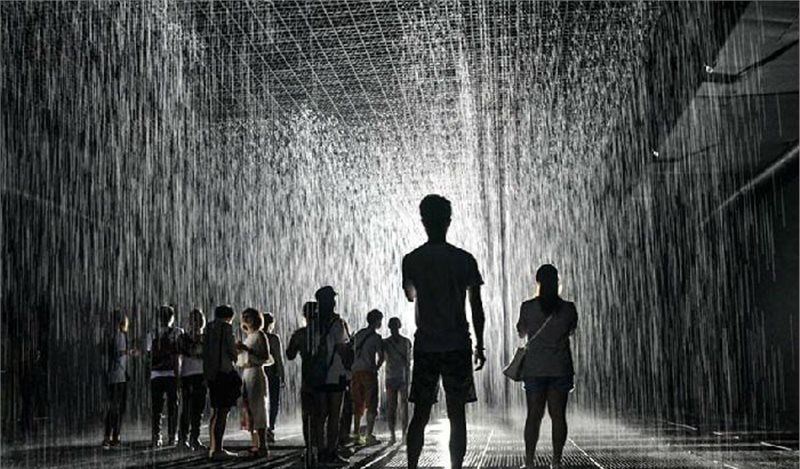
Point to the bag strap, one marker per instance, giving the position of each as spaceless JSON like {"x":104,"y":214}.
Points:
{"x":405,"y":358}
{"x":538,"y":331}
{"x":364,"y":341}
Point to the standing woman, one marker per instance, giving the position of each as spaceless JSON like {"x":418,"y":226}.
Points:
{"x":118,"y":351}
{"x":254,"y":355}
{"x":547,"y":322}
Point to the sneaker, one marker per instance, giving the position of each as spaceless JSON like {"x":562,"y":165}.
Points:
{"x":195,"y":444}
{"x":359,"y":440}
{"x":333,"y":459}
{"x":345,"y":452}
{"x":106,"y":444}
{"x":370,"y":440}
{"x":115,"y":442}
{"x":221,"y":455}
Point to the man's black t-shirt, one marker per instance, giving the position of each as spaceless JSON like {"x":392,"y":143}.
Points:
{"x":440,"y":273}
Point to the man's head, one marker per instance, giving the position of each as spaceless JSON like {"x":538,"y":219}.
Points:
{"x":374,"y":319}
{"x":435,"y":211}
{"x":326,"y":299}
{"x":395,"y":325}
{"x":166,"y":315}
{"x":224,"y":313}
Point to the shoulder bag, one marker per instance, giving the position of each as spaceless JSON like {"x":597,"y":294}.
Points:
{"x":513,"y":370}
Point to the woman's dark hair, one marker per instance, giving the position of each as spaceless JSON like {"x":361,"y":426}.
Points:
{"x":253,"y":318}
{"x":224,"y":312}
{"x":198,"y":317}
{"x":166,"y":314}
{"x":547,"y":277}
{"x":268,"y":319}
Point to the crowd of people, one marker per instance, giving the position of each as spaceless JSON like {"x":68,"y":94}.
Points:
{"x":204,"y":360}
{"x":339,"y":385}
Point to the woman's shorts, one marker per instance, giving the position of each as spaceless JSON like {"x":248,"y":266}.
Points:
{"x":541,"y":384}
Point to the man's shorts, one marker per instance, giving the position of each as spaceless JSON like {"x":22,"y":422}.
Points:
{"x":397,"y":384}
{"x":364,"y":391}
{"x":455,"y":369}
{"x":542,"y":384}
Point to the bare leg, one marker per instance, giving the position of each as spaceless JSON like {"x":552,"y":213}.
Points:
{"x":536,"y":403}
{"x":416,"y":433}
{"x":261,"y":437}
{"x":372,"y":406}
{"x":212,"y":425}
{"x":557,"y":407}
{"x":357,"y":421}
{"x":391,"y":410}
{"x":403,"y":396}
{"x":222,"y":421}
{"x":456,"y":413}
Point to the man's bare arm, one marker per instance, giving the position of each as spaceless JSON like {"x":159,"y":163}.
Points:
{"x":411,"y":293}
{"x":478,"y":321}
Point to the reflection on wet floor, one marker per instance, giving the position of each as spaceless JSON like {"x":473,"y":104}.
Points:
{"x":593,"y":443}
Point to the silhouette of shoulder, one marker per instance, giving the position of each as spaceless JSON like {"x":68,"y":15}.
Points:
{"x":426,"y":248}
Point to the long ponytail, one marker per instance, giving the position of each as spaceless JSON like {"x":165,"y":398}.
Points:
{"x":547,"y":277}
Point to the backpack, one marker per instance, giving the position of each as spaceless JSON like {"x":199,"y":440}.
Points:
{"x":163,"y":351}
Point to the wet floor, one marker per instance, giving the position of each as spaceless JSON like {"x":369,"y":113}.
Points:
{"x":593,"y":443}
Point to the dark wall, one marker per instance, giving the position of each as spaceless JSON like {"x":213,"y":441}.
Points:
{"x":777,"y":297}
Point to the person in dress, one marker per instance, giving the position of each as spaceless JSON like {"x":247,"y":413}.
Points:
{"x":254,"y":355}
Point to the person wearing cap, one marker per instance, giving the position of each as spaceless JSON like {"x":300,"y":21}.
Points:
{"x":118,"y":351}
{"x":162,"y":349}
{"x":368,"y":358}
{"x":438,"y":277}
{"x":330,"y":373}
{"x":397,"y":351}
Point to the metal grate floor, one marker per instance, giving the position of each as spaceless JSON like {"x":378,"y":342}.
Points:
{"x":592,"y":443}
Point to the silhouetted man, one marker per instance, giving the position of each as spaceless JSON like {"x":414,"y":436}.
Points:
{"x":438,"y":276}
